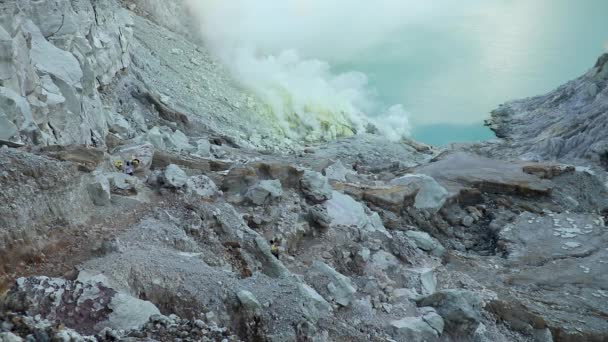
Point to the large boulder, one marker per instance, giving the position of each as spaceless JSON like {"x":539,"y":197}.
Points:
{"x":174,"y":177}
{"x":315,"y":300}
{"x":431,"y":195}
{"x":315,"y":186}
{"x":99,"y":190}
{"x":10,"y":337}
{"x":202,"y":187}
{"x":460,"y":309}
{"x":425,"y":242}
{"x":413,"y":329}
{"x":343,"y":210}
{"x":248,"y":301}
{"x":54,"y":56}
{"x":338,"y":172}
{"x":123,"y":184}
{"x":16,"y":114}
{"x":203,"y":148}
{"x":164,"y":138}
{"x":458,"y":171}
{"x":264,"y":191}
{"x":332,"y":285}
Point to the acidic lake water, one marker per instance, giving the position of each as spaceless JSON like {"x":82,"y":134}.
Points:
{"x":451,"y":69}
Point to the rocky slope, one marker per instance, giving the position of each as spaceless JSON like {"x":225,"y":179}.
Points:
{"x":567,"y":123}
{"x":378,"y":240}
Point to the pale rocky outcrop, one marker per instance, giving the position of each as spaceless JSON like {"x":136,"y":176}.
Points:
{"x":567,"y":123}
{"x":57,"y":55}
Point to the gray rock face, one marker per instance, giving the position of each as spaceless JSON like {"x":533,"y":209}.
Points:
{"x":10,"y":337}
{"x":460,"y":170}
{"x":203,"y":148}
{"x":431,"y":195}
{"x":468,"y":221}
{"x":123,"y":184}
{"x":460,"y":309}
{"x":202,"y":186}
{"x":334,"y":286}
{"x":338,"y":171}
{"x":343,"y":210}
{"x":54,"y":57}
{"x":567,"y":123}
{"x":163,"y":138}
{"x":315,"y":186}
{"x":413,"y":329}
{"x":434,"y":320}
{"x":248,"y":301}
{"x":99,"y":190}
{"x":36,"y":189}
{"x":425,"y":242}
{"x":319,"y":215}
{"x":566,"y":251}
{"x":264,"y":191}
{"x":174,"y":177}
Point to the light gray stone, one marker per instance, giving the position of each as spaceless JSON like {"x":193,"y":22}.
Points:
{"x":413,"y":329}
{"x":337,"y":171}
{"x":202,"y":186}
{"x":468,"y":221}
{"x":164,"y":138}
{"x":174,"y":177}
{"x":345,"y":211}
{"x":7,"y":128}
{"x":431,"y":195}
{"x":460,"y":309}
{"x":313,"y":297}
{"x":248,"y":301}
{"x":434,"y":320}
{"x":9,"y":337}
{"x":99,"y":190}
{"x":123,"y":183}
{"x":15,"y":109}
{"x":428,"y":281}
{"x":129,"y":312}
{"x":425,"y":242}
{"x":203,"y":148}
{"x":120,"y":125}
{"x":264,"y":191}
{"x":315,"y":186}
{"x":49,"y":59}
{"x":339,"y":287}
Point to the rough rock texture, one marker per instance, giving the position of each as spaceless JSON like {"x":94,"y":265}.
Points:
{"x":567,"y":123}
{"x":99,"y":305}
{"x":56,"y":55}
{"x":39,"y":193}
{"x":374,"y":240}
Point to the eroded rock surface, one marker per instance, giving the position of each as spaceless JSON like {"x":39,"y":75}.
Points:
{"x":247,"y":235}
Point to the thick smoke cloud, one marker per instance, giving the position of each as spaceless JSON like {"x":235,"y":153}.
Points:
{"x":281,"y":51}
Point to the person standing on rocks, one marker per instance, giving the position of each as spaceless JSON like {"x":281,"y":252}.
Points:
{"x":274,"y":247}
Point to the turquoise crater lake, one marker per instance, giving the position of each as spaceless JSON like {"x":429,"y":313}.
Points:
{"x":451,"y":67}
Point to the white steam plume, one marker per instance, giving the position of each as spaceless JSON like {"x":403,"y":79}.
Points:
{"x":275,"y":49}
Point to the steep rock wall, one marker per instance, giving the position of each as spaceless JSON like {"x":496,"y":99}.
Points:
{"x":55,"y":56}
